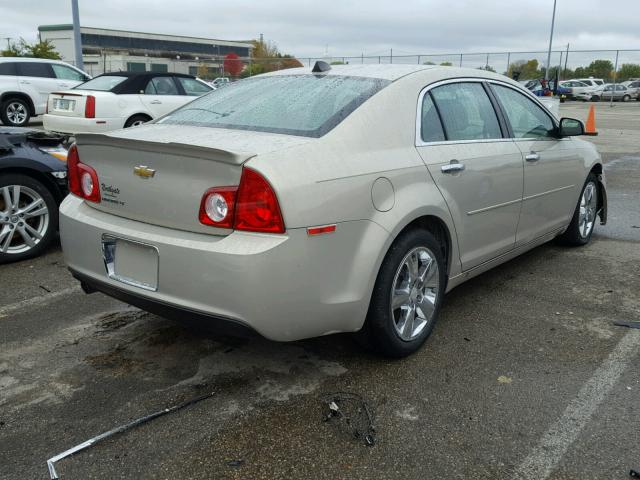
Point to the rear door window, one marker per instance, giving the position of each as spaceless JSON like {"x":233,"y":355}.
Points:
{"x":430,"y":125}
{"x":161,"y":86}
{"x":35,"y":69}
{"x":527,"y":119}
{"x":466,"y":111}
{"x":8,"y":68}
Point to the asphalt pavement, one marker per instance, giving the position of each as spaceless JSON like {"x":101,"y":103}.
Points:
{"x":525,"y":375}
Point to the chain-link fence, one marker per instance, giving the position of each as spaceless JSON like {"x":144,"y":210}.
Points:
{"x":604,"y":64}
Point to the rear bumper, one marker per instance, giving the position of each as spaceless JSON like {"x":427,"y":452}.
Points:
{"x":74,"y":125}
{"x":222,"y":325}
{"x":285,"y":287}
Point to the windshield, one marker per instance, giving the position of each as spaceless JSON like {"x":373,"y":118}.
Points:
{"x":103,"y":83}
{"x":304,"y":105}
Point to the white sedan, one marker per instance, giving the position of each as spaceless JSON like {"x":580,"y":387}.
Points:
{"x":579,"y":90}
{"x":119,"y":100}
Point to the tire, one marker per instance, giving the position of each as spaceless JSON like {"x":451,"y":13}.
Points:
{"x":40,"y":229}
{"x":136,"y":120}
{"x":14,"y":112}
{"x":579,"y":231}
{"x":595,"y":98}
{"x":626,"y":98}
{"x":383,"y":330}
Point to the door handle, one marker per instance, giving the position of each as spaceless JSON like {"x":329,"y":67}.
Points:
{"x":454,"y":166}
{"x":532,"y":157}
{"x":156,"y":102}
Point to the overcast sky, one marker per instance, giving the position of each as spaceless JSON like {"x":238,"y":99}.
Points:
{"x":353,"y":27}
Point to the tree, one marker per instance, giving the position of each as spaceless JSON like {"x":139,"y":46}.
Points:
{"x":428,"y":63}
{"x":628,"y":70}
{"x":600,"y":69}
{"x":42,"y":50}
{"x":232,"y":64}
{"x":36,"y":50}
{"x":446,"y":64}
{"x":528,"y":69}
{"x":487,"y":68}
{"x":266,"y":57}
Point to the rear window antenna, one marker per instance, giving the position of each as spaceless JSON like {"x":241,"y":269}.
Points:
{"x":321,"y":67}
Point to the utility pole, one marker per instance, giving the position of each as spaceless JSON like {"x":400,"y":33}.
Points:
{"x":566,"y":59}
{"x":553,"y":21}
{"x":77,"y":44}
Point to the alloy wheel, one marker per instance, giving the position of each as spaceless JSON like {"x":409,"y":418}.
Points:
{"x":414,"y":293}
{"x":17,"y":113}
{"x":588,"y":207}
{"x":24,"y":219}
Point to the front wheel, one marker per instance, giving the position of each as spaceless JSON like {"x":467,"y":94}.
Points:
{"x":584,"y":217}
{"x":626,"y":98}
{"x":28,"y":217}
{"x":407,"y":296}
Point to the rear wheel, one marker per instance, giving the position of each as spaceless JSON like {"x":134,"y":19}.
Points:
{"x":136,"y":120}
{"x":626,"y":98}
{"x":28,"y":217}
{"x":14,"y":112}
{"x":407,"y":296}
{"x":584,"y":217}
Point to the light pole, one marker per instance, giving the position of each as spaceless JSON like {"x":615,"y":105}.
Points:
{"x":77,"y":44}
{"x":553,"y":21}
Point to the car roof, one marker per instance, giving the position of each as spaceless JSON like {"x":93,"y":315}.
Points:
{"x":393,"y":72}
{"x":144,"y":74}
{"x":30,"y":59}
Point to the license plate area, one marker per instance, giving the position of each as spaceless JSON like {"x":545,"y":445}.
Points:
{"x":131,"y":262}
{"x":64,"y":104}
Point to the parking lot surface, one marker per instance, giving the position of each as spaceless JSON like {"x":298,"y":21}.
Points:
{"x":525,"y":376}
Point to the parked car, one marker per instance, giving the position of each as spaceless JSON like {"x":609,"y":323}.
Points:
{"x":123,"y":99}
{"x":339,"y":199}
{"x":220,"y":82}
{"x":33,"y":181}
{"x":633,"y":87}
{"x":25,"y":84}
{"x":578,"y":90}
{"x":592,"y":82}
{"x":609,"y":90}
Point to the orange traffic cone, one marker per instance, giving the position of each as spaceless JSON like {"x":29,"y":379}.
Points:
{"x":591,"y":122}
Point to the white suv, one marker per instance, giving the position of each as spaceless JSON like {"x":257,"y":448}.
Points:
{"x":25,"y":84}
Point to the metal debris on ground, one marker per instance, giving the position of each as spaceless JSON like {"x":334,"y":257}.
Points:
{"x":92,"y":441}
{"x":621,"y":323}
{"x":352,"y":415}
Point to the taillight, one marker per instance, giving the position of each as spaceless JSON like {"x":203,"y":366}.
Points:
{"x":257,"y":208}
{"x":90,"y":107}
{"x":83,"y":180}
{"x":252,"y":207}
{"x":217,"y":207}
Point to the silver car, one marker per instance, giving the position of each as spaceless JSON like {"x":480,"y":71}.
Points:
{"x":617,"y":91}
{"x":340,"y":199}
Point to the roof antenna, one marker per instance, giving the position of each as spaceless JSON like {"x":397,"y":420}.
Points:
{"x":321,"y":67}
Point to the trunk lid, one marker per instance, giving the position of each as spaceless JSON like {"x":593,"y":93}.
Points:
{"x":157,"y":174}
{"x":71,"y":103}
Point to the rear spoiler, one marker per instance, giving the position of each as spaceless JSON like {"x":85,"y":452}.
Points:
{"x":173,"y":148}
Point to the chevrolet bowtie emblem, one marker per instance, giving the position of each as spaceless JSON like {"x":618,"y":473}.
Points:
{"x":144,"y":171}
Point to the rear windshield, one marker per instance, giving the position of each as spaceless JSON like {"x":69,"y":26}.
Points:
{"x":103,"y":83}
{"x":304,"y":105}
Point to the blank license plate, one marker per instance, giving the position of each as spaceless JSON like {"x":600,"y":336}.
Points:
{"x":64,"y":104}
{"x":131,"y":262}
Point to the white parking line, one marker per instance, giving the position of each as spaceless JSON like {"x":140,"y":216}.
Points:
{"x":37,"y":301}
{"x":556,"y":441}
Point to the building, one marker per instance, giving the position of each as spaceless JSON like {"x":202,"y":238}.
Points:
{"x":105,"y":50}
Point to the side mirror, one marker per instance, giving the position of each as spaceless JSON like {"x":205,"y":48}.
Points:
{"x":570,"y":127}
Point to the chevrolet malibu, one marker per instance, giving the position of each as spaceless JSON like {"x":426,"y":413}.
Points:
{"x":339,"y":199}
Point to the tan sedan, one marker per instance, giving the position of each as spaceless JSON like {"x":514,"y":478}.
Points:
{"x":339,"y":199}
